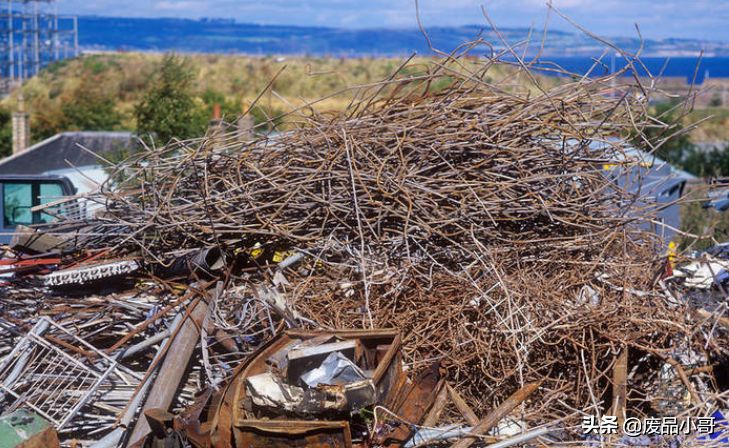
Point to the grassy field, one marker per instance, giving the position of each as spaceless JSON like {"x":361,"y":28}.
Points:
{"x":124,"y":78}
{"x":234,"y":80}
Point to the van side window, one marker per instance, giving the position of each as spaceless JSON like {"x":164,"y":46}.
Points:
{"x":17,"y":204}
{"x":49,"y":192}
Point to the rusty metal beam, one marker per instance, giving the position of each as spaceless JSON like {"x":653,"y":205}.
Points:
{"x":173,"y":368}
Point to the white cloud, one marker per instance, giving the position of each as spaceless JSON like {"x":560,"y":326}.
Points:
{"x":556,"y":3}
{"x":183,"y":5}
{"x":658,"y":18}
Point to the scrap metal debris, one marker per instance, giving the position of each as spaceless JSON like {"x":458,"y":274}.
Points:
{"x":57,"y":377}
{"x":446,"y":261}
{"x":85,"y":274}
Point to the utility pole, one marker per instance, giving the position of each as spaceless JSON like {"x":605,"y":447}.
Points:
{"x":32,"y":38}
{"x":21,"y":53}
{"x":11,"y":45}
{"x":55,"y":39}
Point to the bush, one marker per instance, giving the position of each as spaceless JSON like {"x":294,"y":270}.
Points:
{"x":230,"y":108}
{"x":95,"y":65}
{"x":168,"y":109}
{"x":715,"y":100}
{"x":713,"y":163}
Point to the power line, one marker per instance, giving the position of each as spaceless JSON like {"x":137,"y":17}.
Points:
{"x":32,"y":36}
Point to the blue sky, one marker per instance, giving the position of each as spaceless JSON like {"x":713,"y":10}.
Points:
{"x":702,"y":19}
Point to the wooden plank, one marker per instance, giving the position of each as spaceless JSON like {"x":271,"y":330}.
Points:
{"x":620,"y":386}
{"x":495,"y":416}
{"x":439,"y":405}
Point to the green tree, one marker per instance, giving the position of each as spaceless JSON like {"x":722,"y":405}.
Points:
{"x":168,"y":109}
{"x":229,"y":107}
{"x":6,"y":133}
{"x":90,"y":108}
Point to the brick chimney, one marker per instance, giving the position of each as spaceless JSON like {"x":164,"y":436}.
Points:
{"x":216,"y":127}
{"x":21,"y":127}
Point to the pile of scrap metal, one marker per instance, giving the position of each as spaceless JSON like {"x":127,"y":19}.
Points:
{"x":229,"y":292}
{"x":86,"y":344}
{"x":79,"y":361}
{"x":336,"y":389}
{"x":319,"y":388}
{"x":86,"y":341}
{"x":701,"y":278}
{"x":105,"y":370}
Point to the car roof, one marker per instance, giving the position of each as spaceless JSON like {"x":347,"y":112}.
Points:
{"x":29,"y":177}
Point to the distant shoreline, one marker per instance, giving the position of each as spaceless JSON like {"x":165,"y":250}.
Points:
{"x":683,"y":67}
{"x":229,"y":37}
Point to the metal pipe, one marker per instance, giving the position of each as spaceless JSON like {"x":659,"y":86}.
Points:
{"x":290,"y":261}
{"x":19,"y":366}
{"x":134,"y":349}
{"x":521,"y":438}
{"x":426,"y":436}
{"x":112,"y":439}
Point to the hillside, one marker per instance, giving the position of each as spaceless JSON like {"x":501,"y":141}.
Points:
{"x":123,"y":77}
{"x":111,"y":84}
{"x":100,"y":91}
{"x":228,"y":36}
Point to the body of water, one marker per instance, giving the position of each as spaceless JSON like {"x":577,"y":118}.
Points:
{"x":682,"y":67}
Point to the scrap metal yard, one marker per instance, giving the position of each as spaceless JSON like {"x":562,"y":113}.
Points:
{"x":456,"y":266}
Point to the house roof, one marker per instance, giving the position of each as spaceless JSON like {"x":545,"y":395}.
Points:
{"x":661,"y":166}
{"x":65,"y":150}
